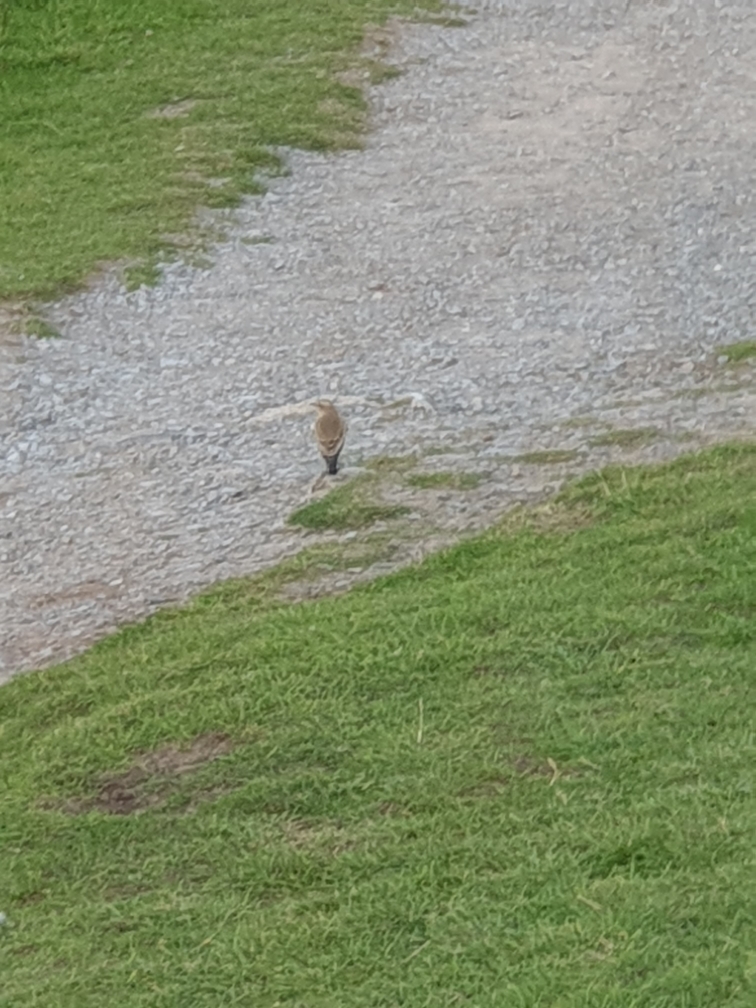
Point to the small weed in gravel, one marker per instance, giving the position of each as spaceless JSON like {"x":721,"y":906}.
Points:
{"x":736,"y":352}
{"x":379,"y":72}
{"x":625,"y":438}
{"x":42,"y":330}
{"x":145,"y":273}
{"x":391,"y":463}
{"x":448,"y":480}
{"x":578,"y":422}
{"x":546,"y":457}
{"x":439,"y":21}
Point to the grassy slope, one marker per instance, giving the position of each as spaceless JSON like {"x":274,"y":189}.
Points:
{"x":86,"y":174}
{"x":574,"y":827}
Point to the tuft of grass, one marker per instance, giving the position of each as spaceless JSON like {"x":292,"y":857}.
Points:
{"x":121,"y":119}
{"x":625,"y":437}
{"x":441,"y":20}
{"x":391,"y":463}
{"x":551,"y":457}
{"x":736,"y":352}
{"x":379,"y":72}
{"x":38,"y":327}
{"x":145,"y":273}
{"x":519,"y":773}
{"x":578,"y":422}
{"x":347,"y":507}
{"x":266,"y":586}
{"x":267,"y":589}
{"x":440,"y":480}
{"x":258,"y":240}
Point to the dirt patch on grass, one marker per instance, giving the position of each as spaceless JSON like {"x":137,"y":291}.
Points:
{"x":151,"y":778}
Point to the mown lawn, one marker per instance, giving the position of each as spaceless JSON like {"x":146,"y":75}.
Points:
{"x":520,"y":774}
{"x":118,"y":119}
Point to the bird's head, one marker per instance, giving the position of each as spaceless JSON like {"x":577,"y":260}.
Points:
{"x":321,"y":404}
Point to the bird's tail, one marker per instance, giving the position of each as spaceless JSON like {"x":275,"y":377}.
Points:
{"x":333,"y":465}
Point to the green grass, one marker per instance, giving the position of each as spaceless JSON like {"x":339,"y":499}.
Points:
{"x":120,"y":119}
{"x":444,"y":21}
{"x":35,"y":326}
{"x":350,"y":506}
{"x":578,"y":422}
{"x":309,"y":564}
{"x":736,"y":352}
{"x":519,"y":774}
{"x":631,"y":437}
{"x":391,"y":464}
{"x":445,"y":480}
{"x":438,"y":450}
{"x":551,"y":457}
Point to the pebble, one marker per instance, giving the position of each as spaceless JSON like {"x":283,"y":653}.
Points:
{"x":535,"y":245}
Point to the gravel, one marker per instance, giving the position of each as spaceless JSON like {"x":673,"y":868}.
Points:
{"x":550,"y":232}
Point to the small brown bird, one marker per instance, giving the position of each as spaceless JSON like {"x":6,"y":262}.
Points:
{"x":330,"y":431}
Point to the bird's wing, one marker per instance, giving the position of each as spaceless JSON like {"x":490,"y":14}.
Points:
{"x":330,"y":431}
{"x":330,"y":445}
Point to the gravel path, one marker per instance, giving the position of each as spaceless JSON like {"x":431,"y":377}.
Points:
{"x":549,"y":234}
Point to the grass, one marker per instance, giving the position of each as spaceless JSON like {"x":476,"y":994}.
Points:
{"x":445,"y":480}
{"x":551,"y":457}
{"x":119,"y":120}
{"x":519,"y":774}
{"x":736,"y":352}
{"x":309,"y":564}
{"x":439,"y":450}
{"x":578,"y":422}
{"x":444,"y":21}
{"x":632,"y":437}
{"x":391,"y":464}
{"x":35,"y":326}
{"x":349,"y":506}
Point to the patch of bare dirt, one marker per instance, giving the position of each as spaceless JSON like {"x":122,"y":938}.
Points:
{"x":151,"y":778}
{"x":378,"y":40}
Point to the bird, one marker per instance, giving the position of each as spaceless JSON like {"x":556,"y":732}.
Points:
{"x":330,"y":431}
